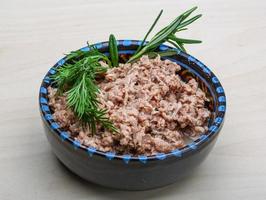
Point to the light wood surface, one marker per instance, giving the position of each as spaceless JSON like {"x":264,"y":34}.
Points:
{"x":34,"y":34}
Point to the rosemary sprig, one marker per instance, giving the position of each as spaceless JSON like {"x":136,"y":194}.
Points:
{"x":161,"y":53}
{"x":78,"y":81}
{"x":149,"y":31}
{"x":167,"y":34}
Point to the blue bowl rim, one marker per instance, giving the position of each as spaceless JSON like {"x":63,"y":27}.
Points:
{"x":214,"y":128}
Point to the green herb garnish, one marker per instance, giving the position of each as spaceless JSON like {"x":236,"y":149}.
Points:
{"x":167,"y":34}
{"x":77,"y":79}
{"x":113,"y":50}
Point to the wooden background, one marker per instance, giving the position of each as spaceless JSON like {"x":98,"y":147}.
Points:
{"x":34,"y":34}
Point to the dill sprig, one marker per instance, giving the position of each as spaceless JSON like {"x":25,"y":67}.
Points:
{"x":77,"y":80}
{"x":167,"y":34}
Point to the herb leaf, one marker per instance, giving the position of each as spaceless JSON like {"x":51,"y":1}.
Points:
{"x":149,"y":31}
{"x":113,"y":50}
{"x":162,"y":53}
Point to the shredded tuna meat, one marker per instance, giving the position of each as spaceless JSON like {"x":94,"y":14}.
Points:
{"x":153,"y":109}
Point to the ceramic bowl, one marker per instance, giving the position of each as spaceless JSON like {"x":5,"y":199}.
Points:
{"x":137,"y":172}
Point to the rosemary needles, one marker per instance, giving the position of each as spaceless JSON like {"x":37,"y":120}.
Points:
{"x":167,"y":34}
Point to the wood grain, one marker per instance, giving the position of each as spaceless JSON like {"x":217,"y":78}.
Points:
{"x":35,"y":34}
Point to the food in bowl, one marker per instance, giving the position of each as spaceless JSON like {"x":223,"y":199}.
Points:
{"x":152,"y":108}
